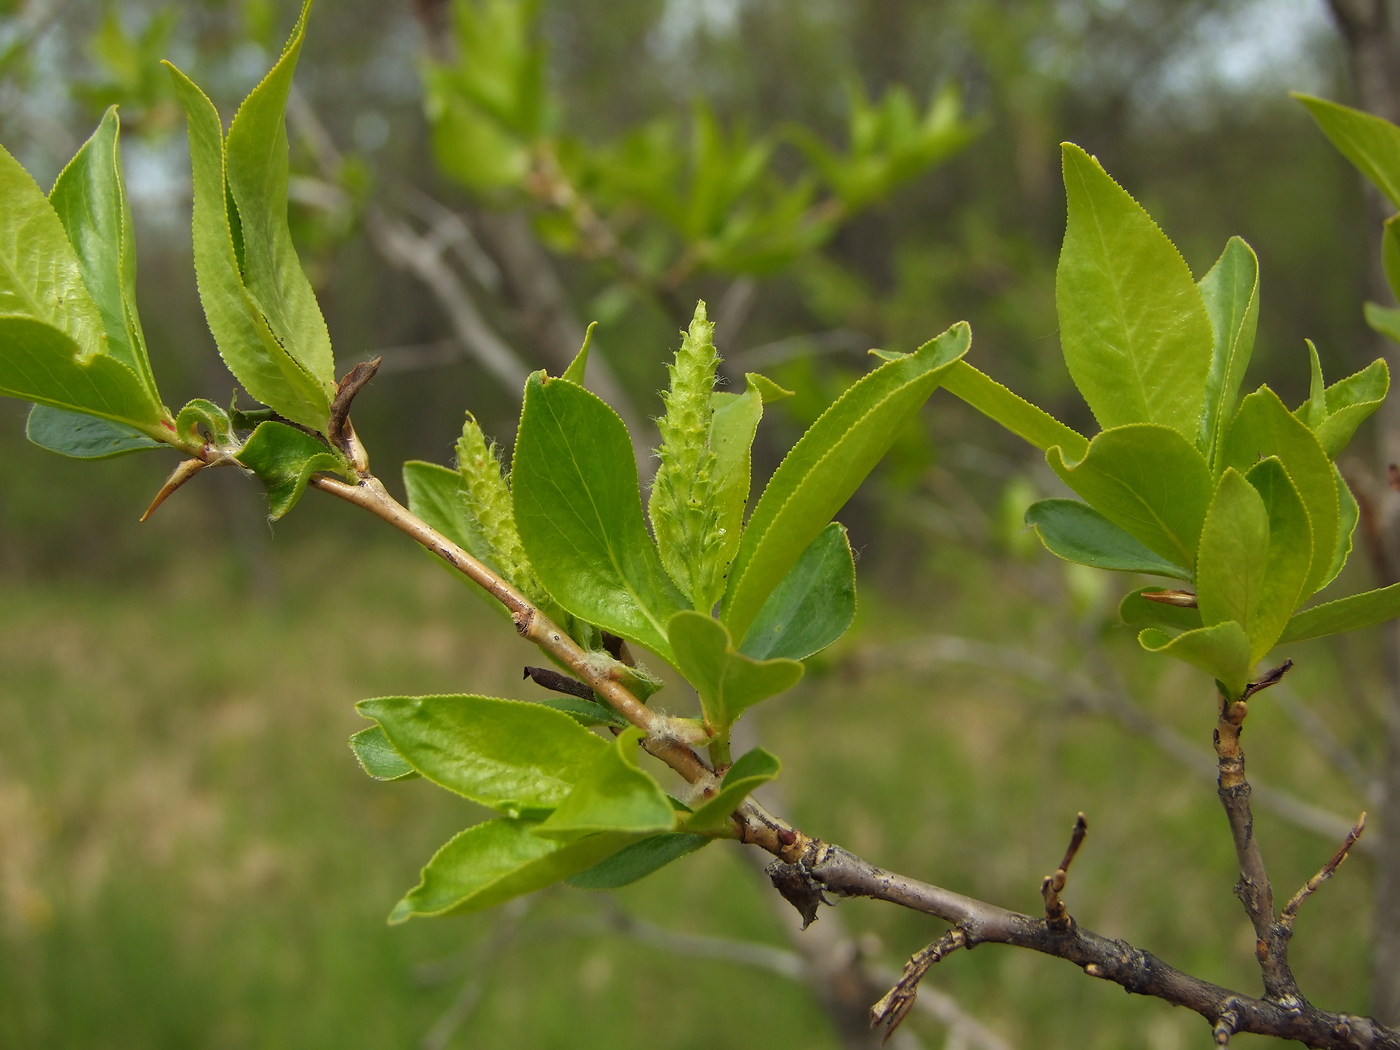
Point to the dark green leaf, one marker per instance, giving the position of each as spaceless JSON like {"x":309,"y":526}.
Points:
{"x":510,"y":755}
{"x":586,"y":712}
{"x":826,"y":466}
{"x":82,"y":436}
{"x":377,"y":756}
{"x":728,"y":682}
{"x":612,"y":795}
{"x":638,"y":860}
{"x":1133,"y":326}
{"x":813,"y":605}
{"x":284,"y":458}
{"x":1077,"y":532}
{"x":579,"y":511}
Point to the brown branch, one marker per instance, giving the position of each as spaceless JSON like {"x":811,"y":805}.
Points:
{"x":1056,"y":914}
{"x":895,"y":1005}
{"x":1290,"y":910}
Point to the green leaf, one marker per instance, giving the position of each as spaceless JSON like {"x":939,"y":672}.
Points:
{"x":82,"y":436}
{"x":284,"y":458}
{"x":1313,"y":411}
{"x":1349,"y":515}
{"x":1150,"y":481}
{"x":1221,"y":651}
{"x":579,"y":511}
{"x":435,"y":495}
{"x":247,"y":342}
{"x":749,"y":772}
{"x":613,"y":795}
{"x":1133,"y":326}
{"x":256,"y":165}
{"x":513,"y":756}
{"x":579,"y":365}
{"x":1017,"y":415}
{"x":1230,"y":292}
{"x":377,"y":756}
{"x":493,"y":862}
{"x":1263,"y":427}
{"x":43,"y":364}
{"x":585,"y":712}
{"x":1349,"y":402}
{"x":1077,"y":532}
{"x":728,"y":682}
{"x":1390,"y":254}
{"x":1344,"y":614}
{"x":826,"y":466}
{"x":1289,"y":554}
{"x":89,"y":198}
{"x":812,"y":607}
{"x":201,"y":420}
{"x":732,"y":429}
{"x":638,"y":860}
{"x":1384,"y":319}
{"x":1136,"y":611}
{"x":1370,"y":143}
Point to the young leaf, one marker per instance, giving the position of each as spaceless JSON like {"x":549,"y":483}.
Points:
{"x":813,"y":605}
{"x":579,"y":512}
{"x":1077,"y":532}
{"x":489,"y":508}
{"x":1017,"y":415}
{"x":826,"y":466}
{"x":1289,"y":554}
{"x":682,"y":507}
{"x":1314,"y":410}
{"x":1348,"y":403}
{"x":1344,"y":614}
{"x":1370,"y":143}
{"x":284,"y":458}
{"x":1263,"y":427}
{"x":493,"y":862}
{"x":1150,"y":481}
{"x":1133,"y":326}
{"x":638,"y":860}
{"x":246,"y":341}
{"x":612,"y":795}
{"x":82,"y":436}
{"x":256,"y":166}
{"x":510,"y":755}
{"x":435,"y":495}
{"x":1230,"y":292}
{"x":1221,"y":651}
{"x":579,"y":365}
{"x":585,"y":712}
{"x":1349,"y":516}
{"x":377,"y":756}
{"x":732,"y":429}
{"x":89,"y":198}
{"x":749,"y":772}
{"x":1136,"y":611}
{"x":728,"y":682}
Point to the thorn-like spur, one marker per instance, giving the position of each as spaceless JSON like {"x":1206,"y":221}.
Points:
{"x":187,"y":469}
{"x":895,"y":1005}
{"x":1056,"y":914}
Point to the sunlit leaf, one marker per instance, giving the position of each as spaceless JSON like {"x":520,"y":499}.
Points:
{"x":1221,"y":651}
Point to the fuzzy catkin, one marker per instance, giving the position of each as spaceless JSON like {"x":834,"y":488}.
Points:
{"x":683,"y":516}
{"x":488,"y":502}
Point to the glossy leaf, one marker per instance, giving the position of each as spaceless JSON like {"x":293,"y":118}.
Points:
{"x":1289,"y":554}
{"x":728,"y":682}
{"x":43,"y":364}
{"x":82,"y":436}
{"x":579,"y":511}
{"x":612,"y":795}
{"x":89,"y":198}
{"x":284,"y":458}
{"x":638,"y":860}
{"x":1136,"y":611}
{"x":1150,"y":481}
{"x":749,"y":772}
{"x":1263,"y":427}
{"x":1370,"y":143}
{"x":1133,"y":326}
{"x":1230,"y":292}
{"x":1016,"y":414}
{"x":826,"y":466}
{"x":1077,"y":532}
{"x":1221,"y":651}
{"x":812,"y":607}
{"x":493,"y":862}
{"x":1344,"y":614}
{"x":377,"y":756}
{"x":246,"y":340}
{"x":510,"y":755}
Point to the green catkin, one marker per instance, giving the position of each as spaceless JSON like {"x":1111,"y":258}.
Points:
{"x":488,"y":502}
{"x":681,"y":507}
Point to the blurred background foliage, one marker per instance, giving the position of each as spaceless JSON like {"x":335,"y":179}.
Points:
{"x":188,"y":854}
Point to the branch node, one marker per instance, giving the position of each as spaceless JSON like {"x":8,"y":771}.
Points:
{"x":1290,"y":910}
{"x":1227,"y":1022}
{"x":895,"y":1005}
{"x":798,"y":888}
{"x":339,"y":432}
{"x":1057,"y":916}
